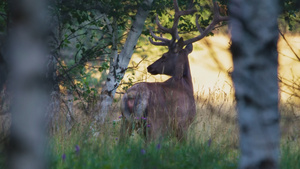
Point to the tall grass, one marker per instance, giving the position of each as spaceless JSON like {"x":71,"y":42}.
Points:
{"x":212,"y":142}
{"x":206,"y":146}
{"x":105,"y":152}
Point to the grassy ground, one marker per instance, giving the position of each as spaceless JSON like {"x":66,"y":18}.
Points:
{"x":135,"y":154}
{"x":80,"y":150}
{"x":167,"y":154}
{"x":212,"y":143}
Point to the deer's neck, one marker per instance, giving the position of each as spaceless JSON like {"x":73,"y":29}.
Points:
{"x":182,"y":81}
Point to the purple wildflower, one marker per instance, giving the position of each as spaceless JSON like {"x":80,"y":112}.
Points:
{"x":63,"y":157}
{"x":143,"y":151}
{"x":148,"y":125}
{"x":209,"y":142}
{"x":158,"y":146}
{"x":137,"y":118}
{"x":77,"y":149}
{"x":120,"y":116}
{"x":116,"y":138}
{"x":144,"y":118}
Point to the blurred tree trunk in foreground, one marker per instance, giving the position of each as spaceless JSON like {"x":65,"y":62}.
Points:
{"x":254,"y":32}
{"x":29,"y":83}
{"x":3,"y":64}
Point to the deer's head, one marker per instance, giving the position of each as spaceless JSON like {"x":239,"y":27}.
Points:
{"x":175,"y":61}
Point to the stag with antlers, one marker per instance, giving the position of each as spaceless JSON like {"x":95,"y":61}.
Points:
{"x":156,"y":109}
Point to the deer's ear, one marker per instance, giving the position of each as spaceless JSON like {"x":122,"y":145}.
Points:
{"x":179,"y":45}
{"x":189,"y":48}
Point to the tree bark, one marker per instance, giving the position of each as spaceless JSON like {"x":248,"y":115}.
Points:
{"x":254,"y":32}
{"x":3,"y":64}
{"x":70,"y":112}
{"x":121,"y":61}
{"x":28,"y":83}
{"x":54,"y":42}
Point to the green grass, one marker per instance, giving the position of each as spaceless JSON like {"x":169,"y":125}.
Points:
{"x":106,"y":153}
{"x":215,"y":121}
{"x":290,"y":155}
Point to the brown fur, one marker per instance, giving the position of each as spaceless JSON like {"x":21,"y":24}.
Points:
{"x":168,"y":106}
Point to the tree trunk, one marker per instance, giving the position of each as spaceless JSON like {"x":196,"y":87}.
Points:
{"x":3,"y":64}
{"x":29,"y":83}
{"x":3,"y":76}
{"x":70,"y":113}
{"x":121,"y":61}
{"x":254,"y":32}
{"x":54,"y":42}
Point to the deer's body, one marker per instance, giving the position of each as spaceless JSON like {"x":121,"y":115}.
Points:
{"x":167,"y":110}
{"x":167,"y":107}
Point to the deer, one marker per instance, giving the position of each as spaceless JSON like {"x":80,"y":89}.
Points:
{"x":158,"y":108}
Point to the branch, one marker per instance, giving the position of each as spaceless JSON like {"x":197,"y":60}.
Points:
{"x":72,"y":83}
{"x":289,"y":45}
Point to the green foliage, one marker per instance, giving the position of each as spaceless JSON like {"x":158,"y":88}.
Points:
{"x":103,"y":67}
{"x":86,"y":34}
{"x":290,"y":15}
{"x":3,"y":15}
{"x":165,"y":10}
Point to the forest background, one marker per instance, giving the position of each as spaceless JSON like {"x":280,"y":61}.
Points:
{"x":87,"y":36}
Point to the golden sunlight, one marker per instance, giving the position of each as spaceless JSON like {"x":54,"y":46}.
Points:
{"x":211,"y":64}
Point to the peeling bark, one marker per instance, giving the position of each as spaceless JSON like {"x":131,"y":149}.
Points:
{"x":254,"y":31}
{"x":120,"y":62}
{"x":70,"y":113}
{"x":54,"y":105}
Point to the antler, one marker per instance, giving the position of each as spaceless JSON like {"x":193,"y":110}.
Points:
{"x":217,"y":18}
{"x":173,"y":31}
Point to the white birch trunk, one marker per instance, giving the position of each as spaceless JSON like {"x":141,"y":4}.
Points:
{"x":70,"y":113}
{"x":54,"y":105}
{"x":121,"y":61}
{"x":254,"y":32}
{"x":28,"y":83}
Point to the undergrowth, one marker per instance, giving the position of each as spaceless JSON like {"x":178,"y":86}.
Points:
{"x":212,"y":142}
{"x":82,"y":151}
